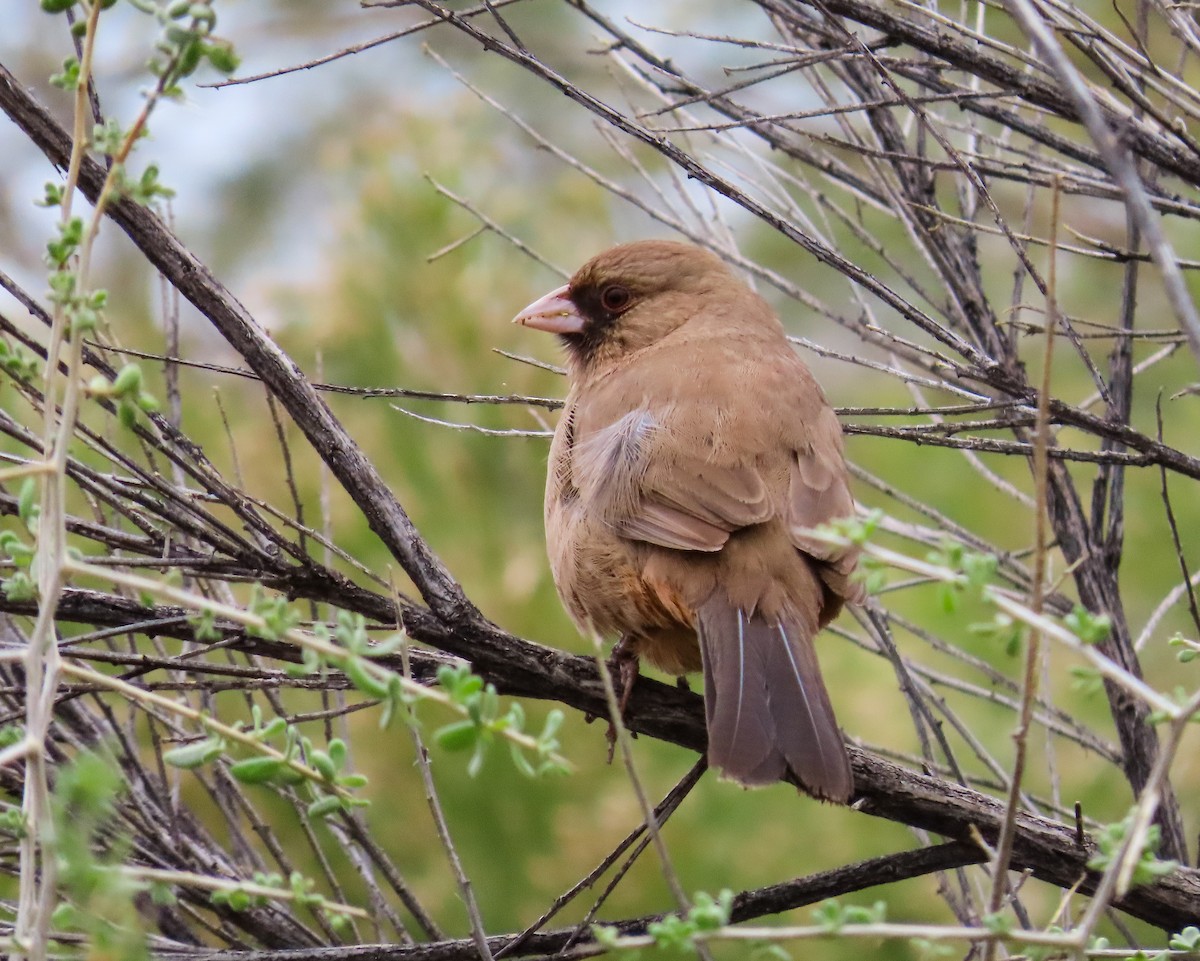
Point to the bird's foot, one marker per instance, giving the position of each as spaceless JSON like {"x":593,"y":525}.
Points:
{"x":623,"y":663}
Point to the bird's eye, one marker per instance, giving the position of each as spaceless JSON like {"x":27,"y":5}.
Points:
{"x":614,"y":298}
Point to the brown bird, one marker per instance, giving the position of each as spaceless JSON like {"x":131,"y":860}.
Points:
{"x":694,"y":456}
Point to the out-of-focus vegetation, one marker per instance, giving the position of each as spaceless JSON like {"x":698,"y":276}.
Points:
{"x":328,"y":229}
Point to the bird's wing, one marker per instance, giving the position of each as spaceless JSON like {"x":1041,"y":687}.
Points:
{"x":650,"y":487}
{"x":817,"y":495}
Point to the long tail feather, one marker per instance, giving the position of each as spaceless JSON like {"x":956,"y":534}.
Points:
{"x":766,"y":704}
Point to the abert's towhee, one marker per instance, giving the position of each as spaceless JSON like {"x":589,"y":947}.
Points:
{"x":693,"y":457}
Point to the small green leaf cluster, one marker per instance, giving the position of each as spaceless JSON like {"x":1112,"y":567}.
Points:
{"x":204,"y":626}
{"x":1001,"y":630}
{"x":1186,"y":940}
{"x":1181,"y":696}
{"x":1086,"y":680}
{"x":142,"y":190}
{"x":475,"y":733}
{"x":832,"y":915}
{"x":484,"y":722}
{"x":872,"y":572}
{"x":999,"y":922}
{"x":126,"y":389}
{"x":976,"y":572}
{"x":350,"y":635}
{"x":278,"y":616}
{"x":1148,"y":869}
{"x":62,"y":6}
{"x":186,"y":41}
{"x":12,"y":818}
{"x":64,"y":246}
{"x":19,"y":585}
{"x":15,"y":362}
{"x":53,"y":196}
{"x":196,"y":754}
{"x":112,"y":141}
{"x":328,"y":792}
{"x":242,"y":898}
{"x":68,"y":77}
{"x":609,"y":938}
{"x":1188,"y":650}
{"x":100,"y":902}
{"x":859,"y":530}
{"x":82,"y":310}
{"x":705,"y":915}
{"x":348,"y":647}
{"x":10,"y":734}
{"x":1088,"y":627}
{"x":109,"y":138}
{"x":674,"y":932}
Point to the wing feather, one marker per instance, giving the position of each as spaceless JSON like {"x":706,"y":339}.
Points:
{"x":648,"y":487}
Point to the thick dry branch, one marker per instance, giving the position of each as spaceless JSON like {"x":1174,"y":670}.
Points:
{"x":1047,"y":849}
{"x":746,"y":907}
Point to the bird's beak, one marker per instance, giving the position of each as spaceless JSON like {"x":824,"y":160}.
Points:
{"x":554,"y":313}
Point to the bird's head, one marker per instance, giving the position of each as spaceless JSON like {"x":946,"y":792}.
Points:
{"x":629,"y":297}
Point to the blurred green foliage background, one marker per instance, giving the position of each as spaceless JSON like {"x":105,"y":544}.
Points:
{"x":313,"y":196}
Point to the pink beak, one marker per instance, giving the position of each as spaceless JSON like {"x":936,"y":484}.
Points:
{"x":554,"y":313}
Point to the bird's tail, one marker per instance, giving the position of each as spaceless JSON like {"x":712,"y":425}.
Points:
{"x":766,"y":704}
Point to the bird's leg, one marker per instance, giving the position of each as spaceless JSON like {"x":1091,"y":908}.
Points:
{"x":623,"y":663}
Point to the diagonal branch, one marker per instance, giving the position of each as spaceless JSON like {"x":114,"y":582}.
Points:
{"x":329,"y":439}
{"x":1047,"y":849}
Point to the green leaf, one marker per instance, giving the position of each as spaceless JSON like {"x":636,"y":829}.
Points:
{"x":321,"y":761}
{"x":256,"y":770}
{"x":194,"y":755}
{"x":68,"y":77}
{"x":388,"y":645}
{"x":361,"y":676}
{"x":1186,"y":940}
{"x":128,"y":380}
{"x":709,"y":914}
{"x":324,"y":806}
{"x":19,"y":587}
{"x":459,"y":736}
{"x":998,"y":923}
{"x":1148,"y":869}
{"x":520,"y":761}
{"x":830,"y":916}
{"x":222,"y":56}
{"x":27,"y":506}
{"x":1090,"y":628}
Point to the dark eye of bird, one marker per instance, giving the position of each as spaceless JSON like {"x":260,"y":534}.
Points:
{"x":614,"y":298}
